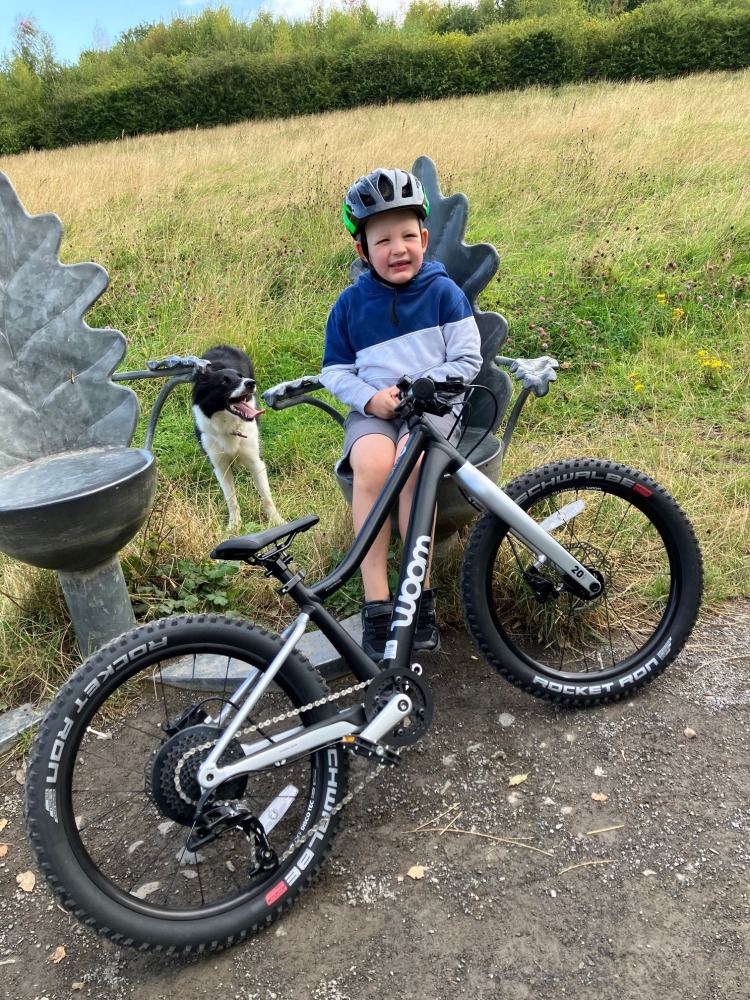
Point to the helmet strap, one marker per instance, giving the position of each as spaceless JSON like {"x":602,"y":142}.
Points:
{"x":362,"y":240}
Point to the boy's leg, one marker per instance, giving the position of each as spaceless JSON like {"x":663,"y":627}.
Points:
{"x":371,"y":459}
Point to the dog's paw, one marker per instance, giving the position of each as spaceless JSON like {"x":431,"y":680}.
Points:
{"x":274,"y":520}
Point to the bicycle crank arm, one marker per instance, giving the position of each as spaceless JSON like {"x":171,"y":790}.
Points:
{"x":396,"y":709}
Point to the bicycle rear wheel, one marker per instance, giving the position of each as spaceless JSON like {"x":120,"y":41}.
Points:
{"x":111,"y":792}
{"x":624,"y":528}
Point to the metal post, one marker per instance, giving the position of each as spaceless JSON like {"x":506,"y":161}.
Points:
{"x":98,"y":603}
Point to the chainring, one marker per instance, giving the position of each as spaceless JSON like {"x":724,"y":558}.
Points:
{"x":175,"y":767}
{"x":395,"y":681}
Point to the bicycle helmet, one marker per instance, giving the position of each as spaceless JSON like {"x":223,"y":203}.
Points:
{"x":383,"y":191}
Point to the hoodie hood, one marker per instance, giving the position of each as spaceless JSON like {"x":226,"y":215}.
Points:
{"x":400,"y":295}
{"x":370,"y":284}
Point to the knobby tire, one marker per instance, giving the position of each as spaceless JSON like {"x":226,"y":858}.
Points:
{"x":103,"y":807}
{"x":624,"y":527}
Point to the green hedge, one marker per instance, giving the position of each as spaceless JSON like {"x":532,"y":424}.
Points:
{"x":666,"y":40}
{"x":656,"y":40}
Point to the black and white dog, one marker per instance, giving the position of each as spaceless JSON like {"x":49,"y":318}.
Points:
{"x":226,"y":424}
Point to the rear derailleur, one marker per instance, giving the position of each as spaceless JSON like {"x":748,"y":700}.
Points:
{"x":219,"y":819}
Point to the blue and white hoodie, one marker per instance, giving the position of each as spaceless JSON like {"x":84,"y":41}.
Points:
{"x":377,"y":333}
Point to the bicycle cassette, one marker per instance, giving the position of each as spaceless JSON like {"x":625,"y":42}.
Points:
{"x":390,"y":683}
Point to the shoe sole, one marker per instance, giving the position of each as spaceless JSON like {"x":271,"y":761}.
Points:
{"x":424,"y":647}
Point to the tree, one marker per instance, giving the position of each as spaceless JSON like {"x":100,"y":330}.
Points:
{"x":34,"y":49}
{"x":28,"y":77}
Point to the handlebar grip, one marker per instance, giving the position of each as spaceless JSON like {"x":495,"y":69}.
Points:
{"x":175,"y":361}
{"x":280,"y":396}
{"x":425,"y":388}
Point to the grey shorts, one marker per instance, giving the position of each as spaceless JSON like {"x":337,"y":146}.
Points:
{"x":359,"y":425}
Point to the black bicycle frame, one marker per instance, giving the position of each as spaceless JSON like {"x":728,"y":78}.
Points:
{"x":440,"y":458}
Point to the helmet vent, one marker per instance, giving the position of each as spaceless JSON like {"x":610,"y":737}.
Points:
{"x":385,"y":188}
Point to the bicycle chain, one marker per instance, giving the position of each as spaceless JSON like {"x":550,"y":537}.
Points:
{"x":337,"y":695}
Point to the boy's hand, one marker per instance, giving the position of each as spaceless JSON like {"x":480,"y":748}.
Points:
{"x":383,"y":404}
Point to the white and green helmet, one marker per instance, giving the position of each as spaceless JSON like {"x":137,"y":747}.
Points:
{"x":383,"y":190}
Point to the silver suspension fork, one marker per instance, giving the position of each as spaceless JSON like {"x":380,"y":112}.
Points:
{"x":534,"y":536}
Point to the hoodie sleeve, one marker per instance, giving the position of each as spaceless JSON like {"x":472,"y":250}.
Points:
{"x":340,"y":372}
{"x":463,"y":342}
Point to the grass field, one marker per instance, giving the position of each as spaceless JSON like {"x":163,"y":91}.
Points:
{"x":622,"y":217}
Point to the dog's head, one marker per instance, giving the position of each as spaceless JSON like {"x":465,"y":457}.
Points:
{"x":219,"y":389}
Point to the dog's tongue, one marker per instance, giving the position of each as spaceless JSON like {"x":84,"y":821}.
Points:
{"x":248,"y":412}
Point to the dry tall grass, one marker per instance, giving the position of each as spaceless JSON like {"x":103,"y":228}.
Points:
{"x":235,"y":234}
{"x":694,"y":126}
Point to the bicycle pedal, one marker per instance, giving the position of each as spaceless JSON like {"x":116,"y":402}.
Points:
{"x":375,"y":752}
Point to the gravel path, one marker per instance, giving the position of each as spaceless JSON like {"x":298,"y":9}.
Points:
{"x":629,"y":876}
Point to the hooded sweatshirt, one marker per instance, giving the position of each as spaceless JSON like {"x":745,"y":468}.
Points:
{"x":377,"y":333}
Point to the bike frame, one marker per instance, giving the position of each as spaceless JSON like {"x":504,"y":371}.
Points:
{"x":439,"y":458}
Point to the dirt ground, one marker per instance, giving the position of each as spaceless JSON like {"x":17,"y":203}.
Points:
{"x":632,"y":877}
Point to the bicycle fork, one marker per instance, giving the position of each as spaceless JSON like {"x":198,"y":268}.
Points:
{"x":534,"y":536}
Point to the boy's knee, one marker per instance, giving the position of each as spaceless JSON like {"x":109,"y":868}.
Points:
{"x":372,"y":464}
{"x":372,"y":473}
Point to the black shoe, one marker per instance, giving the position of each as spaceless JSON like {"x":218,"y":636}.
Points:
{"x":427,"y":636}
{"x":376,"y":624}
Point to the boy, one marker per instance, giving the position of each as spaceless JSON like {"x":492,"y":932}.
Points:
{"x":402,"y":317}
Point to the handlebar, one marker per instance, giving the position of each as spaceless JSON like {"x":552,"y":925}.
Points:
{"x":425,"y":395}
{"x":185,"y":368}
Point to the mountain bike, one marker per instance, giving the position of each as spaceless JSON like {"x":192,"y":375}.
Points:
{"x":169,"y":816}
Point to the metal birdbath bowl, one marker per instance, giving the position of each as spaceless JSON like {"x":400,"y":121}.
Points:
{"x":72,"y":512}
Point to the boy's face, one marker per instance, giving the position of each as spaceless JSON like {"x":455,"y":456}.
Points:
{"x":396,"y":242}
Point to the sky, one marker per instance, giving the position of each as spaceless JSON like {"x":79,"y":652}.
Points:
{"x":75,"y":25}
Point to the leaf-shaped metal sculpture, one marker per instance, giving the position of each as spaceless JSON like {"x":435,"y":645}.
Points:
{"x":72,"y":491}
{"x":471,"y":267}
{"x":55,"y":393}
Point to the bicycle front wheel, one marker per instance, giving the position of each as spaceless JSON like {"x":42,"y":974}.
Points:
{"x":627,"y":530}
{"x":112,"y":790}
